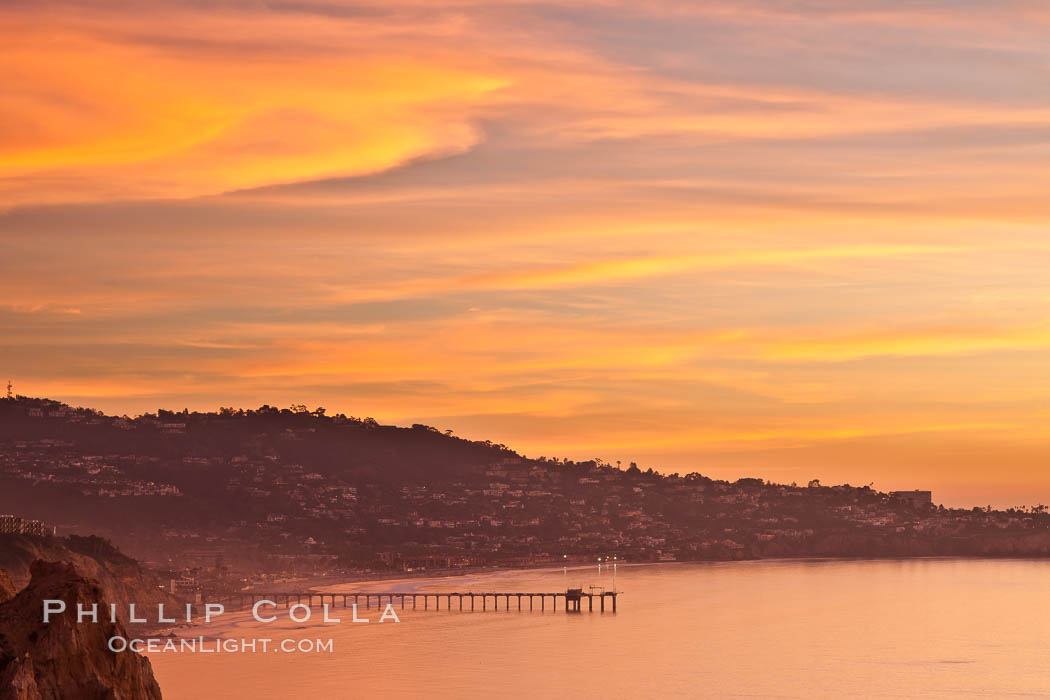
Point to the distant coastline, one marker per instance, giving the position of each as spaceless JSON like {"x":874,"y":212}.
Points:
{"x":221,"y":502}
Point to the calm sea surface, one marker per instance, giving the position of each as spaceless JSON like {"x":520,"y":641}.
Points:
{"x":933,"y":628}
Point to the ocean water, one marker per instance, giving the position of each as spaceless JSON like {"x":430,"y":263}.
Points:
{"x":927,"y":628}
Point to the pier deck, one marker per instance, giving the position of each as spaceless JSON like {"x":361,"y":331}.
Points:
{"x":464,"y":601}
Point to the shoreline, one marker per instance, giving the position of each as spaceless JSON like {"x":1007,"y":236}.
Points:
{"x":417,"y":579}
{"x":317,"y":583}
{"x":313,"y":583}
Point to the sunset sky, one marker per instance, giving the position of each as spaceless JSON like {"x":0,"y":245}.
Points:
{"x":790,"y":239}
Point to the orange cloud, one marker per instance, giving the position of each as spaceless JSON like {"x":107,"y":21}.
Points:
{"x":100,"y":116}
{"x":970,"y":338}
{"x":181,"y":103}
{"x":614,"y":271}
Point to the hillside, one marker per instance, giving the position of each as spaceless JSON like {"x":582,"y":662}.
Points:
{"x":210,"y":494}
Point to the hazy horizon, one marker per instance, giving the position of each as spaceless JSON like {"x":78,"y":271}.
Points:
{"x":790,"y":240}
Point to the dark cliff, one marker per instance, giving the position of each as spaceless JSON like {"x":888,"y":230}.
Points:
{"x":7,"y":587}
{"x":120,"y":577}
{"x":64,"y":660}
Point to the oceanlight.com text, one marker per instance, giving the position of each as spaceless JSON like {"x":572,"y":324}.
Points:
{"x":202,"y":645}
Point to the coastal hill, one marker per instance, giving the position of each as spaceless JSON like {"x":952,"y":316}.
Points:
{"x":210,"y":494}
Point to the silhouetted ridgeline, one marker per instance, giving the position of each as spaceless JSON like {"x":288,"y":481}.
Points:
{"x":296,"y":490}
{"x":332,"y":445}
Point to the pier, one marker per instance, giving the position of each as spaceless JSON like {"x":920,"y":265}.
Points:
{"x":572,"y":600}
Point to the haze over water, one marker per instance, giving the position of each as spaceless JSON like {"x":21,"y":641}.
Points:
{"x":931,"y":628}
